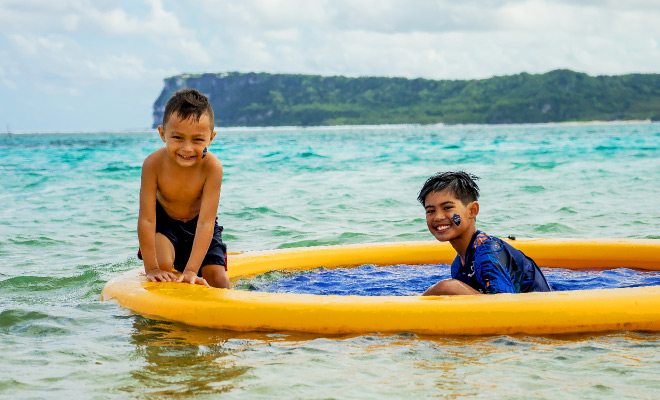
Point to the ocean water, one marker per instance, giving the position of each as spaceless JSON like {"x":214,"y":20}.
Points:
{"x":68,"y":225}
{"x":411,"y":280}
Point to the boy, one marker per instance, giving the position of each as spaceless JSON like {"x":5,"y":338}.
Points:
{"x":484,"y":264}
{"x":179,"y":196}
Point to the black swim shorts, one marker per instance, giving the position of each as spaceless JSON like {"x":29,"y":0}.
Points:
{"x":182,"y":234}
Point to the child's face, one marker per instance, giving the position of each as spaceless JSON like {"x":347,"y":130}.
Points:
{"x":447,"y":217}
{"x":186,"y":139}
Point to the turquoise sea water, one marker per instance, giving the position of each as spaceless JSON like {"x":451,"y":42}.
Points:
{"x":68,"y":225}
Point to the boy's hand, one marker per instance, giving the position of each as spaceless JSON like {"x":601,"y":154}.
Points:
{"x":191,"y":277}
{"x":158,"y":275}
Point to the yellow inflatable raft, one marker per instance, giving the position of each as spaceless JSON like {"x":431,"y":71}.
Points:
{"x":533,"y":313}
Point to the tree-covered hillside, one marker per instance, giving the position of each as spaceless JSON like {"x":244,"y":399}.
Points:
{"x":261,"y":99}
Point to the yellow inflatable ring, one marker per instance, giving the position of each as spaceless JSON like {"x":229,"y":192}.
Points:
{"x":532,"y":313}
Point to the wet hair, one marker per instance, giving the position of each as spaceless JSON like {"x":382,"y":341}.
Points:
{"x":188,"y":103}
{"x":460,"y":183}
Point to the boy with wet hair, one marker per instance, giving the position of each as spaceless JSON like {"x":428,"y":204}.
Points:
{"x":179,"y":195}
{"x":484,"y":264}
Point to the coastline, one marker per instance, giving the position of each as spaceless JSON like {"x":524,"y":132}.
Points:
{"x":337,"y":127}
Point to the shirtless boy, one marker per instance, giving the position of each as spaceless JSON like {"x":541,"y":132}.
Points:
{"x":179,"y":196}
{"x":483,"y":264}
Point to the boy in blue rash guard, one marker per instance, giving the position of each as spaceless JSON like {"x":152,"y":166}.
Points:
{"x":484,"y":264}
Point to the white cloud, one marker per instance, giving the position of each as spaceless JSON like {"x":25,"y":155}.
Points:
{"x":440,"y":39}
{"x":74,"y":47}
{"x":88,"y":17}
{"x":268,"y":14}
{"x":84,"y":22}
{"x":116,"y":21}
{"x":35,"y":15}
{"x":56,"y":58}
{"x":117,"y":68}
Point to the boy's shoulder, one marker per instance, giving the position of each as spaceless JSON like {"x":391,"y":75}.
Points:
{"x":151,"y":164}
{"x":213,"y":166}
{"x":482,"y":238}
{"x":484,"y":242}
{"x":155,"y":156}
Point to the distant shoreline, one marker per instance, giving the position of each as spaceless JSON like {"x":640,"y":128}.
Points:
{"x":332,"y":127}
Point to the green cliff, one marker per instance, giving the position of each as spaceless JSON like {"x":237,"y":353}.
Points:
{"x":261,"y":99}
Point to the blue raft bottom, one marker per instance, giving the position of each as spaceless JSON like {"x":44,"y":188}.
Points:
{"x":412,"y":280}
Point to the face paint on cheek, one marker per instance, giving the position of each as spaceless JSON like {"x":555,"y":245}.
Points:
{"x":204,"y":152}
{"x":457,"y":219}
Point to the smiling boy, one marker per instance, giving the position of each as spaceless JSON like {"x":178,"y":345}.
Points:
{"x":484,"y":264}
{"x":179,"y":195}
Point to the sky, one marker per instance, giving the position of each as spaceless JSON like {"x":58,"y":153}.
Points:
{"x":98,"y":65}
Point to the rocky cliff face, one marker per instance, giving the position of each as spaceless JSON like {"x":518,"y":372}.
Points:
{"x":225,"y":92}
{"x":261,"y":99}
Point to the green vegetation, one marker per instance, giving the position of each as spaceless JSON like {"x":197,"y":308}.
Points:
{"x":261,"y":99}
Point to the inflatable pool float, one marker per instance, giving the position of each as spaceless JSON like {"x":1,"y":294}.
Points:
{"x":531,"y":313}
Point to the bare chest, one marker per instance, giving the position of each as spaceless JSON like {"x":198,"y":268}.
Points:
{"x":181,"y":193}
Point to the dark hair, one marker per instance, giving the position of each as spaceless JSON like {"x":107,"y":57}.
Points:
{"x":188,"y":103}
{"x":460,"y":183}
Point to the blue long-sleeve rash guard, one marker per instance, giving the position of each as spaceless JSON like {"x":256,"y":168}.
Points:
{"x":494,"y":266}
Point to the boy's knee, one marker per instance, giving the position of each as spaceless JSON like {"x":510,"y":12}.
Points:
{"x":216,"y":276}
{"x":164,"y":252}
{"x":449,"y":287}
{"x":439,"y":289}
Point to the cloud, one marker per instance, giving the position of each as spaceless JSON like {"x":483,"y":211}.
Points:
{"x":439,"y":39}
{"x":86,"y":40}
{"x":80,"y":48}
{"x":36,"y":15}
{"x":117,"y":67}
{"x":62,"y":60}
{"x":89,"y":17}
{"x":435,"y":39}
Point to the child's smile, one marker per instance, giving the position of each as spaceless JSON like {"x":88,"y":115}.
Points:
{"x":186,"y":158}
{"x":442,"y":227}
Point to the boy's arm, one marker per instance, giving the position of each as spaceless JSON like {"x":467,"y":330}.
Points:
{"x":147,"y":222}
{"x":490,"y":272}
{"x":206,"y":221}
